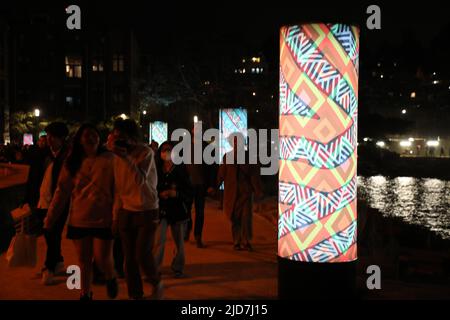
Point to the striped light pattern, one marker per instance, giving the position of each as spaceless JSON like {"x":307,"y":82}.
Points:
{"x":318,"y":139}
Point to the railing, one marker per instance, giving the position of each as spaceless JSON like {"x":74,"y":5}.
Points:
{"x":13,"y":175}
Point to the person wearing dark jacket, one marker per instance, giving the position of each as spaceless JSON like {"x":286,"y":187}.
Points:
{"x":203,"y":181}
{"x":174,"y":190}
{"x":56,"y":139}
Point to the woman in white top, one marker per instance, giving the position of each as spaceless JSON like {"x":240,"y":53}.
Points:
{"x":87,"y":181}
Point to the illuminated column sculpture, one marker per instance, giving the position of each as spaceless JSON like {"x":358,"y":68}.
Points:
{"x":317,"y":222}
{"x":158,"y":131}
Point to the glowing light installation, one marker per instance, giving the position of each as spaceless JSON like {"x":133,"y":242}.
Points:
{"x":27,"y":139}
{"x":318,"y":142}
{"x":158,"y":131}
{"x":231,"y":121}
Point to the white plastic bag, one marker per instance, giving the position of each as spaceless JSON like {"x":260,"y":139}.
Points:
{"x":22,"y":251}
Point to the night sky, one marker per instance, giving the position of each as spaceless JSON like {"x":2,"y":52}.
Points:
{"x":205,"y":31}
{"x":251,"y":22}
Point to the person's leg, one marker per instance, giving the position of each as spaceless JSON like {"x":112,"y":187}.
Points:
{"x":246,"y":222}
{"x":53,"y":241}
{"x":189,"y":223}
{"x":128,"y":235}
{"x":84,"y":249}
{"x":199,"y":214}
{"x":103,"y":257}
{"x":145,"y":246}
{"x":178,"y":261}
{"x":160,"y":243}
{"x":236,"y":230}
{"x":118,"y":257}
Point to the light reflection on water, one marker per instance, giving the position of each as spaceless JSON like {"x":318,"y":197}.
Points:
{"x":417,"y":200}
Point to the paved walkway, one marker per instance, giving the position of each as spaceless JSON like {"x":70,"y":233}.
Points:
{"x":216,"y":272}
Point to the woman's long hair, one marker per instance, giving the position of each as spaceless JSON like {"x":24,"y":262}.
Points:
{"x":77,"y":154}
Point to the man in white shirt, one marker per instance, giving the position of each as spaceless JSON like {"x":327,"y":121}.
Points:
{"x":136,"y":213}
{"x":54,"y":262}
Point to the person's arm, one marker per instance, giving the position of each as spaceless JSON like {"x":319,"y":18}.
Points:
{"x":140,"y":168}
{"x":60,"y":198}
{"x":221,"y":173}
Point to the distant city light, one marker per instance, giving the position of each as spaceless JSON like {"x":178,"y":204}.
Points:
{"x":37,"y":112}
{"x":381,"y":144}
{"x":144,"y":112}
{"x":404,"y":111}
{"x":410,"y":152}
{"x":366,"y":139}
{"x":243,"y":71}
{"x":382,"y":76}
{"x":253,"y":93}
{"x":432,"y":143}
{"x":434,"y":73}
{"x":123,"y":116}
{"x":195,"y":119}
{"x":411,"y":139}
{"x":436,"y":82}
{"x":257,"y":110}
{"x":405,"y":143}
{"x":379,"y":64}
{"x":243,"y":60}
{"x":256,"y":59}
{"x":413,"y":95}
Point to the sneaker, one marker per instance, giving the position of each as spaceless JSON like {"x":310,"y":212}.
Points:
{"x":48,"y":278}
{"x":237,"y":247}
{"x":248,"y":247}
{"x":158,"y":291}
{"x":112,"y":288}
{"x":60,"y":270}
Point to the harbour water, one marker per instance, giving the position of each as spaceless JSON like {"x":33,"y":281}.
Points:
{"x":421,"y":201}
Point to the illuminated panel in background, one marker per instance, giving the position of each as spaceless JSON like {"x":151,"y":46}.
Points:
{"x":158,"y":131}
{"x":318,"y":139}
{"x":231,"y":121}
{"x":27,"y":139}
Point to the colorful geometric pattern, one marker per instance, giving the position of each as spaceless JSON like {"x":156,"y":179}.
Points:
{"x":231,"y":121}
{"x":318,"y":139}
{"x":158,"y":132}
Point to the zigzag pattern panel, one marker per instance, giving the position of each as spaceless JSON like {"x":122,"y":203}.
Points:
{"x":307,"y":206}
{"x":318,"y":140}
{"x":291,"y":104}
{"x":319,"y":155}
